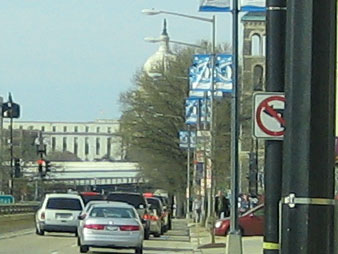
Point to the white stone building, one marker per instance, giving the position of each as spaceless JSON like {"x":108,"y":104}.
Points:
{"x":87,"y":140}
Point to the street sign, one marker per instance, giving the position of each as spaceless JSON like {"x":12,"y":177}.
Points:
{"x":185,"y":137}
{"x":268,"y":115}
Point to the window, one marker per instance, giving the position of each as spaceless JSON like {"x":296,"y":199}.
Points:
{"x":75,"y":129}
{"x":64,"y":144}
{"x":75,"y":146}
{"x":20,"y":127}
{"x":109,"y":129}
{"x":97,"y":146}
{"x":54,"y":128}
{"x":258,"y":78}
{"x":42,"y":128}
{"x":64,"y":128}
{"x":256,"y":47}
{"x":86,"y":146}
{"x":30,"y":128}
{"x":53,"y":143}
{"x":64,"y":204}
{"x":108,"y":147}
{"x":87,"y":129}
{"x":98,"y":129}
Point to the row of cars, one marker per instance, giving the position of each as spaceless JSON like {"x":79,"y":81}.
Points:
{"x":116,"y":220}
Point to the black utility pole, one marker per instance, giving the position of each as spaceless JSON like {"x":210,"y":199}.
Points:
{"x":275,"y":52}
{"x":308,"y":162}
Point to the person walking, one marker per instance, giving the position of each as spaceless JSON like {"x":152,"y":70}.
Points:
{"x":197,"y":208}
{"x":221,"y":205}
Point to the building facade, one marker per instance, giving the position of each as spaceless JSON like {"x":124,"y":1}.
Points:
{"x":251,"y":150}
{"x":89,"y":141}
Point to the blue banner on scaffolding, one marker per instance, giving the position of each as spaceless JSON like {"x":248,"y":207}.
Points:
{"x":223,"y":71}
{"x":191,"y":111}
{"x":205,"y":110}
{"x":187,"y":139}
{"x":253,"y":5}
{"x":215,"y":5}
{"x":200,"y":73}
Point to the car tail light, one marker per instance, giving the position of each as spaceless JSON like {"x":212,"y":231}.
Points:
{"x":130,"y":228}
{"x":146,"y":216}
{"x":94,"y":226}
{"x":154,"y":218}
{"x":42,"y":216}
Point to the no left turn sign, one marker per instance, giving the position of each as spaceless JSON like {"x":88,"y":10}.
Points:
{"x":269,"y":122}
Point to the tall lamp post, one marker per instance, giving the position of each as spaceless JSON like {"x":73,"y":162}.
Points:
{"x":213,"y":22}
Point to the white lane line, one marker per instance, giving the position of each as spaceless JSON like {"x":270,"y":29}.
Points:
{"x":55,"y":252}
{"x":74,"y":245}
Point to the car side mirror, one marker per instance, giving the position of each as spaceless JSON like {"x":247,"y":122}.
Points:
{"x":81,"y":217}
{"x":141,"y":206}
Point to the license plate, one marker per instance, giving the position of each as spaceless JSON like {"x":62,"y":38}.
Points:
{"x":63,"y":216}
{"x":111,"y":228}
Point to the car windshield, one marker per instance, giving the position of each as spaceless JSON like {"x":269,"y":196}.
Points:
{"x":64,"y":204}
{"x":132,"y":199}
{"x":154,"y":203}
{"x":88,"y":198}
{"x":112,"y":212}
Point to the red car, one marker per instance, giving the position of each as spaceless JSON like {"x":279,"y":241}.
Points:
{"x":250,"y":223}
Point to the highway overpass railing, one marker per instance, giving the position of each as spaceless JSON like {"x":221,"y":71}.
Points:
{"x":7,"y":209}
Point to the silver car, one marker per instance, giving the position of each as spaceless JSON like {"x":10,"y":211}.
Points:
{"x":58,"y":213}
{"x":113,"y":225}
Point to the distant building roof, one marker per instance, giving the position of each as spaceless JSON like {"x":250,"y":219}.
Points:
{"x":254,"y":16}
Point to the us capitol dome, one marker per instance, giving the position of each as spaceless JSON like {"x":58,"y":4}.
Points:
{"x":162,"y":56}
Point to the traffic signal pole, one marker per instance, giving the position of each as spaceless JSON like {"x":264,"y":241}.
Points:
{"x":308,"y":162}
{"x":275,"y":54}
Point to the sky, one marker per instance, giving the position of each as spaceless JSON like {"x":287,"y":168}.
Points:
{"x":69,"y":60}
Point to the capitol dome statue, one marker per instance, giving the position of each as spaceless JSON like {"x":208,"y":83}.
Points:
{"x":162,"y":56}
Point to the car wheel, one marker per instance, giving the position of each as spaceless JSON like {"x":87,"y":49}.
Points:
{"x":39,"y":231}
{"x":146,"y":234}
{"x":76,"y":234}
{"x":169,"y":224}
{"x":78,"y":241}
{"x":162,"y":230}
{"x":157,"y":234}
{"x":241,"y":231}
{"x":139,"y":250}
{"x":84,"y":249}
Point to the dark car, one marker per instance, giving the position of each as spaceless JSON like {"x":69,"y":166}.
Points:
{"x":250,"y":223}
{"x":139,"y":202}
{"x":166,"y":209}
{"x":90,"y":196}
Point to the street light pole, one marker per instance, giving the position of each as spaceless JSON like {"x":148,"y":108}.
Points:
{"x":213,"y":22}
{"x":234,"y":238}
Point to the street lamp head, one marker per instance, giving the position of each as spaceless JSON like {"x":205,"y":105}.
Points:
{"x":151,"y":11}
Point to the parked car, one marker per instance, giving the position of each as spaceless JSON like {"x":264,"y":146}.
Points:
{"x":166,"y":209}
{"x":250,"y":223}
{"x":113,"y":225}
{"x":58,"y":213}
{"x":138,"y":202}
{"x":156,"y":217}
{"x":91,"y":195}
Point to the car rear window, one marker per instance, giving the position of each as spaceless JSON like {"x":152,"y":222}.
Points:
{"x":87,"y":198}
{"x":154,"y":203}
{"x":64,"y":204}
{"x":132,"y":199}
{"x":112,"y":212}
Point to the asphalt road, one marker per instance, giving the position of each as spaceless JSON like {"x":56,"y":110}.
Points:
{"x":174,"y":241}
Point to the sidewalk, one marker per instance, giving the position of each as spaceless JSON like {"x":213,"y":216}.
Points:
{"x":199,"y":236}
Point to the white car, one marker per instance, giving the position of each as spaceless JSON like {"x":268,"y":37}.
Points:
{"x":113,"y":225}
{"x":58,"y":213}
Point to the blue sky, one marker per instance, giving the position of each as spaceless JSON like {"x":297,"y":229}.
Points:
{"x":69,"y":60}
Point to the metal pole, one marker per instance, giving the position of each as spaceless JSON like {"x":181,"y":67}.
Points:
{"x":308,"y":162}
{"x":212,"y":129}
{"x":11,"y":180}
{"x":188,"y":175}
{"x":234,"y":238}
{"x":275,"y":52}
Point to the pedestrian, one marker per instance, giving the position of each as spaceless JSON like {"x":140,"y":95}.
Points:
{"x":245,"y":204}
{"x":197,"y":208}
{"x":221,"y":205}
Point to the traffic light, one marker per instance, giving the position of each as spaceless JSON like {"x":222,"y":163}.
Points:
{"x":10,"y":110}
{"x":17,"y":168}
{"x":40,"y":168}
{"x":47,"y":165}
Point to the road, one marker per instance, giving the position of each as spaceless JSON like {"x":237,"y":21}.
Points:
{"x":174,"y":241}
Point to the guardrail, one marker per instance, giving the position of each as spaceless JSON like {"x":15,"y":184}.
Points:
{"x":18,"y":208}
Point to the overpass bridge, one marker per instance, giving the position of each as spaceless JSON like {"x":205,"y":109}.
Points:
{"x":90,"y":173}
